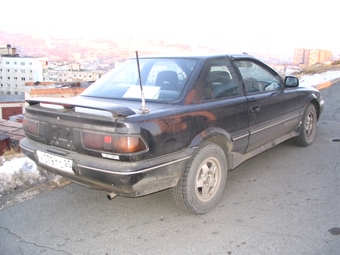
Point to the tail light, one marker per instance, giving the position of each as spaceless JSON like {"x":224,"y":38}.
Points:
{"x":113,"y":143}
{"x":31,"y":126}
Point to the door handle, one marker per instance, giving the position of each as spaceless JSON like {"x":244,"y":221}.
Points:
{"x":255,"y":108}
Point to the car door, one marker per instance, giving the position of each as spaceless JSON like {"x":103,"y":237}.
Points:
{"x":220,"y":91}
{"x":273,"y":110}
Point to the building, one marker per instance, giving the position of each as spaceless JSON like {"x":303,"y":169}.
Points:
{"x":8,"y":50}
{"x":51,"y":89}
{"x":16,"y":70}
{"x":325,"y":55}
{"x":11,"y":105}
{"x":301,"y":57}
{"x":307,"y":57}
{"x":66,"y":75}
{"x":314,"y":57}
{"x":72,"y":73}
{"x":4,"y":143}
{"x":10,"y":135}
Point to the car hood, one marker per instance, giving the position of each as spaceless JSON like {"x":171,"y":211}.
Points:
{"x":115,"y":107}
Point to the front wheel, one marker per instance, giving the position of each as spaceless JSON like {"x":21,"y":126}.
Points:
{"x":203,"y":181}
{"x":308,"y":128}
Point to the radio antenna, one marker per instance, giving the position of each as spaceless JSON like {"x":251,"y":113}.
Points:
{"x":142,"y":108}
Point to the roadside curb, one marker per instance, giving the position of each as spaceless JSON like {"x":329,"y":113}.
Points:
{"x":327,"y":84}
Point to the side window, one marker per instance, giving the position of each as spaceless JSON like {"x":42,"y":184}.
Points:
{"x":218,"y":82}
{"x":257,"y":78}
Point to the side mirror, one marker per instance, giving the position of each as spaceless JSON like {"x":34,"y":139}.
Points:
{"x":291,"y":81}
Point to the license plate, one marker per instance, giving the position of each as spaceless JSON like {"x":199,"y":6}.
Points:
{"x":56,"y":162}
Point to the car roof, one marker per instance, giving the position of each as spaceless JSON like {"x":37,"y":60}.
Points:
{"x":199,"y":56}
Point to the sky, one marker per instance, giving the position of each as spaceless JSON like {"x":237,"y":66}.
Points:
{"x":233,"y":26}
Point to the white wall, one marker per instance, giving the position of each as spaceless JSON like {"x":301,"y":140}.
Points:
{"x":15,"y":71}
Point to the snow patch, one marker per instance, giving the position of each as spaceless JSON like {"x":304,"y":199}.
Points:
{"x":17,"y":173}
{"x":316,"y":79}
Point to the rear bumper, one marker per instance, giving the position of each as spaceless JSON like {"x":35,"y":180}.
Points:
{"x":130,"y":179}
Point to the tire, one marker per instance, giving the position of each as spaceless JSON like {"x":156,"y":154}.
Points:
{"x":203,"y":181}
{"x":308,"y":128}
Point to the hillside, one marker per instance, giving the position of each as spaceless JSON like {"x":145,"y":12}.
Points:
{"x":317,"y":69}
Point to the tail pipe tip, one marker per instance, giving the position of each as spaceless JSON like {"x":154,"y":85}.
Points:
{"x":111,"y":196}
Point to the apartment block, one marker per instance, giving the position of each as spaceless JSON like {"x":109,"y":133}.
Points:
{"x":16,"y":70}
{"x":307,"y":57}
{"x":59,"y":75}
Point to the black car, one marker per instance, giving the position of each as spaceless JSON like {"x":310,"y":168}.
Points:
{"x":179,"y":122}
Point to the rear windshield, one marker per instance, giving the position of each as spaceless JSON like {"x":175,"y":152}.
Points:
{"x":162,"y":79}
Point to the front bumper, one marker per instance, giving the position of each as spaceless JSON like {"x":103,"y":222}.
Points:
{"x":130,"y":179}
{"x":321,"y":106}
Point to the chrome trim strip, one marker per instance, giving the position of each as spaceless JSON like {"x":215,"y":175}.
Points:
{"x":135,"y":172}
{"x":33,"y":151}
{"x":240,"y":137}
{"x":274,"y":124}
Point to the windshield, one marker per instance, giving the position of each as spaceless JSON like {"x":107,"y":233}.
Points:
{"x":162,"y":79}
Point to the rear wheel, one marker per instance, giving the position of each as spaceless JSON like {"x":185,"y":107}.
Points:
{"x":203,"y":181}
{"x":308,"y":128}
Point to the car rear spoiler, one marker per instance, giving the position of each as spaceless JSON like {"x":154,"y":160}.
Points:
{"x":85,"y":102}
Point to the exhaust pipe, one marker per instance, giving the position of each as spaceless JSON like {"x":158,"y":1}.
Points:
{"x":111,"y":196}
